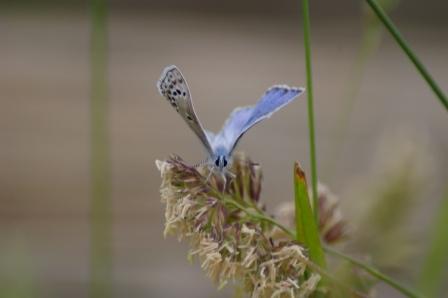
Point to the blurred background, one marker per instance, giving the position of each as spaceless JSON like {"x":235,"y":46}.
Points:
{"x":376,"y":120}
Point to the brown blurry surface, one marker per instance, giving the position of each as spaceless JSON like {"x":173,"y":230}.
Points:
{"x":228,"y":61}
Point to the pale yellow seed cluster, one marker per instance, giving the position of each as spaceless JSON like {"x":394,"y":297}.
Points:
{"x":237,"y":251}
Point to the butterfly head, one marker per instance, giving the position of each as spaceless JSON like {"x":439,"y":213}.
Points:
{"x":220,"y":158}
{"x":221,"y":162}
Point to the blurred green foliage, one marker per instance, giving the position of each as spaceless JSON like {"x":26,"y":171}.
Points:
{"x":434,"y":273}
{"x":19,"y":276}
{"x":101,"y":203}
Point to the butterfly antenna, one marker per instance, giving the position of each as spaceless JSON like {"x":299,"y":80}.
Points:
{"x":201,"y":163}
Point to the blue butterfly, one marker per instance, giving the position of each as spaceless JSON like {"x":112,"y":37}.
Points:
{"x":174,"y":88}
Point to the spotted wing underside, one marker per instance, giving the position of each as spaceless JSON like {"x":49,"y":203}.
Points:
{"x":174,"y":88}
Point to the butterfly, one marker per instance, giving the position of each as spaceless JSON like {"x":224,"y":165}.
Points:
{"x":220,"y":146}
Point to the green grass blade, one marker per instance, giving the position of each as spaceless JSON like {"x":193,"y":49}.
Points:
{"x":309,"y":91}
{"x":408,"y":51}
{"x":435,"y":267}
{"x":101,"y":205}
{"x":307,"y":231}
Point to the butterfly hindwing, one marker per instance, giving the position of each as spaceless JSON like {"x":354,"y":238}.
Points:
{"x":241,"y":119}
{"x":174,"y":88}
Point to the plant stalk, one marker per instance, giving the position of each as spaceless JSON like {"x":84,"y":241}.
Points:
{"x":310,"y":102}
{"x":393,"y":30}
{"x":375,"y":272}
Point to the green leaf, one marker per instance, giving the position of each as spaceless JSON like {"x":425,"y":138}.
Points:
{"x":435,"y":266}
{"x":307,"y":232}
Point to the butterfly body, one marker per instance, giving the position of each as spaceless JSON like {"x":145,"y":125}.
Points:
{"x":174,"y":88}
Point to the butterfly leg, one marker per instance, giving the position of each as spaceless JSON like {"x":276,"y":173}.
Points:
{"x":231,"y":174}
{"x":224,"y":179}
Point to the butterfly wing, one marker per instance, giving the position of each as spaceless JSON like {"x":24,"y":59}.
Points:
{"x":174,"y":88}
{"x":241,"y":119}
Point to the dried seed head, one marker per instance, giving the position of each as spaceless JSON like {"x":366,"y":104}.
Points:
{"x":231,"y":245}
{"x":332,"y":226}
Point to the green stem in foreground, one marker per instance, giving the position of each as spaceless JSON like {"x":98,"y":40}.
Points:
{"x":376,"y":273}
{"x":404,"y":46}
{"x":368,"y":268}
{"x":309,"y":87}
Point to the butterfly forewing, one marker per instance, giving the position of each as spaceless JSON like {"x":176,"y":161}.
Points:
{"x":174,"y":88}
{"x":241,"y":119}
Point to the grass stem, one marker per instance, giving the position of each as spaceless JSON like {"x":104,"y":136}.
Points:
{"x":376,"y":273}
{"x":309,"y":89}
{"x":393,"y":30}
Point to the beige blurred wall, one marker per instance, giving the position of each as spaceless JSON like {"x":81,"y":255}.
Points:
{"x":229,"y":60}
